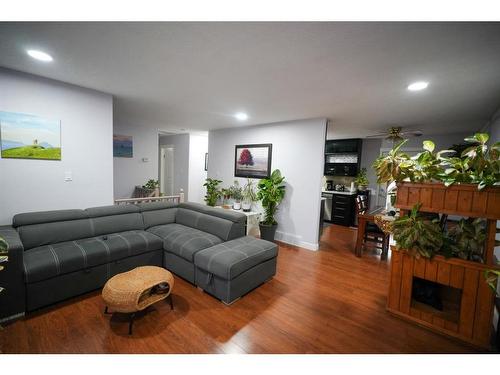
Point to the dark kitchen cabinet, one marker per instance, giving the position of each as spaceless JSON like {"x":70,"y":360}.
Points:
{"x":342,"y":157}
{"x":343,"y":146}
{"x":343,"y":209}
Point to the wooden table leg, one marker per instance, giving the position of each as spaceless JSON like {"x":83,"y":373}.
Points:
{"x":360,"y":237}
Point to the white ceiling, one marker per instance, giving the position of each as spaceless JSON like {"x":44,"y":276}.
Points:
{"x":197,"y":75}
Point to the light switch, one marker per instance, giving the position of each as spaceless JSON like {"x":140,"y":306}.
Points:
{"x":68,"y":176}
{"x":145,"y":160}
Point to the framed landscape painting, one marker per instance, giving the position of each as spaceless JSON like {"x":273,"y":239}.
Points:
{"x":122,"y":146}
{"x":29,"y":137}
{"x":253,"y":161}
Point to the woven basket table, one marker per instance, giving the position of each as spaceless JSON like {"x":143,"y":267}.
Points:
{"x":133,"y":291}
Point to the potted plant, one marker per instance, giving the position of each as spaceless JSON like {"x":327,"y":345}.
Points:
{"x":236,"y":194}
{"x":271,"y":192}
{"x":213,"y":192}
{"x":226,"y":195}
{"x":432,"y":183}
{"x":153,"y":188}
{"x":361,"y":180}
{"x":418,"y":234}
{"x":249,"y":196}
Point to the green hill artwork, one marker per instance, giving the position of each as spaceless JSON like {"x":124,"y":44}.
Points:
{"x":29,"y":137}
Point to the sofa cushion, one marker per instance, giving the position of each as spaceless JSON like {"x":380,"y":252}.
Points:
{"x":222,"y":228}
{"x":40,"y":217}
{"x":52,"y":260}
{"x":158,"y":213}
{"x":230,"y":259}
{"x":113,"y":219}
{"x":184,"y":241}
{"x":54,"y":232}
{"x":235,"y":217}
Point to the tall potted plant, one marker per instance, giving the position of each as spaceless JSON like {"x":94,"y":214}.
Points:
{"x":213,"y":192}
{"x":271,"y":192}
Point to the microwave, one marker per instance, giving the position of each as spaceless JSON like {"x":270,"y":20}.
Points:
{"x":341,"y":169}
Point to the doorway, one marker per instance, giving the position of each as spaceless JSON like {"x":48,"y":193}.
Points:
{"x":167,"y":170}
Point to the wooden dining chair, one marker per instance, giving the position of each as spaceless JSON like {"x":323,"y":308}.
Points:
{"x":373,"y":236}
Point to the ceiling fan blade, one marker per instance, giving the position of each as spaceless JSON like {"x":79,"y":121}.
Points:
{"x":380,"y":135}
{"x":412,"y":133}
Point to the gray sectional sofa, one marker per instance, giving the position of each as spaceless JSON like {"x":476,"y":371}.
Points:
{"x":55,"y":255}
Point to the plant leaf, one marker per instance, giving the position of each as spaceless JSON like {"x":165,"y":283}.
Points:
{"x":429,"y":146}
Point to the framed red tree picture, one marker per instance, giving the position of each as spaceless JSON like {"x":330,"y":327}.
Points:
{"x":253,"y":161}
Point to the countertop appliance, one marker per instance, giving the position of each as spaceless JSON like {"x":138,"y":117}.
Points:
{"x":329,"y":185}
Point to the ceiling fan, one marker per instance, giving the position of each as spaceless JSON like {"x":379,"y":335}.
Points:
{"x":396,"y":133}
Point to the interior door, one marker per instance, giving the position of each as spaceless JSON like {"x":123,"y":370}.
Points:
{"x":167,"y":170}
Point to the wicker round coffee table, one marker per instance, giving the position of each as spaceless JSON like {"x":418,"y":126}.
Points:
{"x":133,"y":291}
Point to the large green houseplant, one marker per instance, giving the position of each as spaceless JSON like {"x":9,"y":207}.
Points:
{"x":478,"y":164}
{"x":271,"y":192}
{"x":213,"y":191}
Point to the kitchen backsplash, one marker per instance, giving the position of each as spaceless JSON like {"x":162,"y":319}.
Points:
{"x":342,"y":180}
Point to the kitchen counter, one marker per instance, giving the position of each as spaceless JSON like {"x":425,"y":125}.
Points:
{"x":339,"y":192}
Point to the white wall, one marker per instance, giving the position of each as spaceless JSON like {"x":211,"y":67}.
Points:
{"x":298,"y":151}
{"x":130,"y":172}
{"x":198,"y":147}
{"x":86,"y":139}
{"x":180,"y":143}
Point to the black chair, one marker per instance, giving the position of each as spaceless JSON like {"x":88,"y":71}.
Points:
{"x":373,"y":236}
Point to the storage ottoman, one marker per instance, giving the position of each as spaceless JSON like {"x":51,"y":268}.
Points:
{"x":232,"y":269}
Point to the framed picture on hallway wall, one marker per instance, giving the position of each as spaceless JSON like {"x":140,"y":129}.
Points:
{"x":122,"y":146}
{"x":253,"y":161}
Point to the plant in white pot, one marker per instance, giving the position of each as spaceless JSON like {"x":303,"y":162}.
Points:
{"x":271,"y":193}
{"x":236,"y":194}
{"x":249,"y":196}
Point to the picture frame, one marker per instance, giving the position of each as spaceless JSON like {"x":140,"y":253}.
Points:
{"x":253,"y":160}
{"x":123,"y":146}
{"x":26,"y":136}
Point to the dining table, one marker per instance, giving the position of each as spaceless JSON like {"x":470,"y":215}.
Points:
{"x":363,"y":218}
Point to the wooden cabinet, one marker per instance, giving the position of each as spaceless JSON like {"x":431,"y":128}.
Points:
{"x":467,"y":301}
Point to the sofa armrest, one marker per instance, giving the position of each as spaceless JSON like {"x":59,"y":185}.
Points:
{"x":13,"y":297}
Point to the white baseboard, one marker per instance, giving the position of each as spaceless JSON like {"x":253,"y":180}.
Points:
{"x":295,"y":240}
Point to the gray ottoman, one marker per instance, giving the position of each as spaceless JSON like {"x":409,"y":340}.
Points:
{"x":233,"y":268}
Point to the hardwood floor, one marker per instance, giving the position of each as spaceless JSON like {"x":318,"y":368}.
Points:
{"x":327,"y":301}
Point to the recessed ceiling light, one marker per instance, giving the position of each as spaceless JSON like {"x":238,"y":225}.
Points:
{"x":417,"y":86}
{"x":39,"y":55}
{"x":241,"y":116}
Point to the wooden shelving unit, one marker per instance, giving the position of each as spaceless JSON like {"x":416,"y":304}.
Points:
{"x":468,"y":317}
